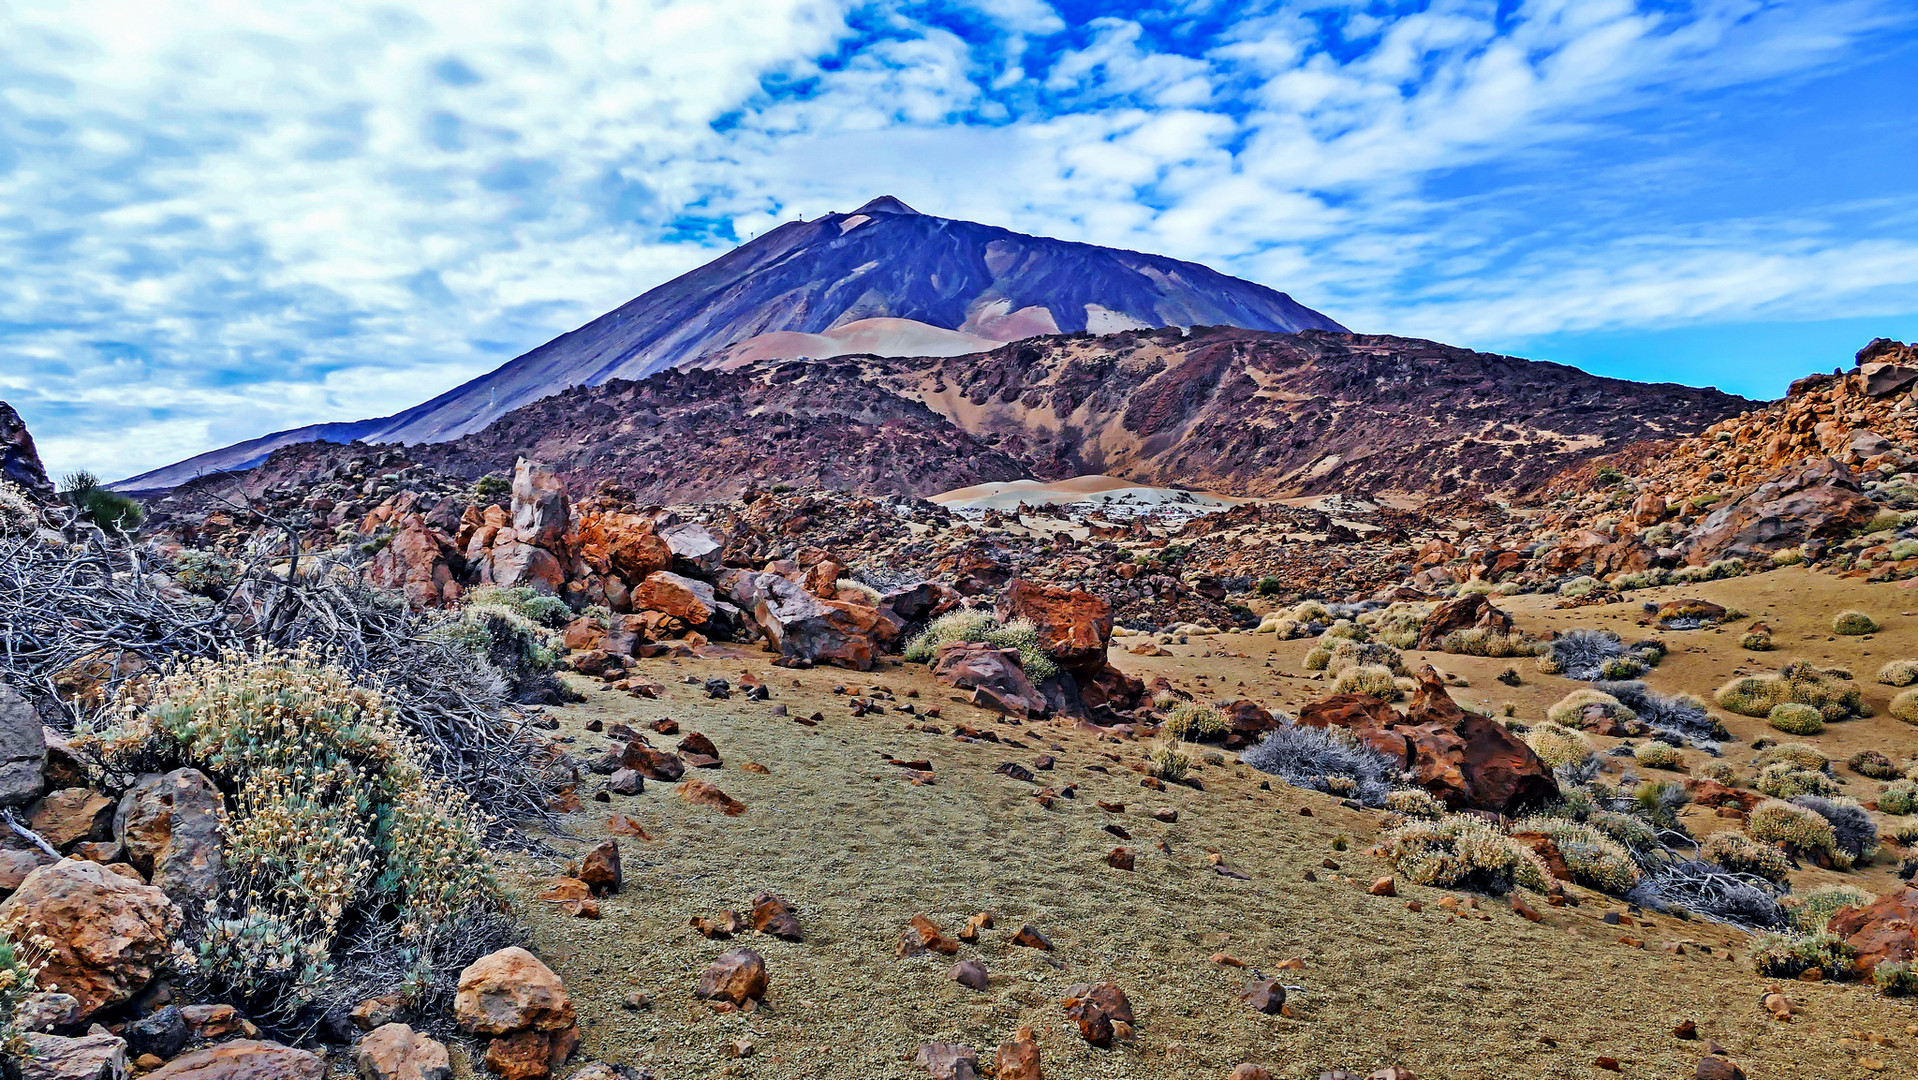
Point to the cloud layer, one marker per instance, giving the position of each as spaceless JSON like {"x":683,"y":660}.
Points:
{"x":219,"y":219}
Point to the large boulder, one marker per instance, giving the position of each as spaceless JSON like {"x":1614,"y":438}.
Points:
{"x":1470,"y":612}
{"x":800,"y":626}
{"x":107,"y":936}
{"x":992,"y":674}
{"x":1883,"y":931}
{"x":1814,"y":499}
{"x":694,"y":546}
{"x":101,"y":1056}
{"x":627,"y":544}
{"x":511,"y":991}
{"x":23,"y":750}
{"x":681,"y":597}
{"x":170,"y":825}
{"x":514,"y":564}
{"x":419,"y":563}
{"x":1074,"y":627}
{"x":19,"y":460}
{"x":541,"y":514}
{"x":243,"y":1059}
{"x":1466,"y":760}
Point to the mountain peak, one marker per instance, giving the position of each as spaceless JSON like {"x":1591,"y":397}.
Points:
{"x":885,"y":204}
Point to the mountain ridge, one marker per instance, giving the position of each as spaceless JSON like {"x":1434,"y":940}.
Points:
{"x":881,"y":261}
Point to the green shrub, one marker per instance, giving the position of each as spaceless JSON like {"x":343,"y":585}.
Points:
{"x":1795,"y":753}
{"x":1788,"y":557}
{"x":1787,"y":956}
{"x":1783,"y":780}
{"x":1368,"y":679}
{"x":1796,"y":829}
{"x":104,"y":507}
{"x":1463,"y":851}
{"x":1414,"y":803}
{"x":1895,"y":978}
{"x":1595,"y":859}
{"x":1570,"y":709}
{"x":1905,"y":706}
{"x":1757,"y":641}
{"x":492,"y":488}
{"x":1899,"y":797}
{"x":1830,"y":691}
{"x":1899,"y":673}
{"x":18,"y":971}
{"x":1795,"y":719}
{"x":972,"y":624}
{"x":547,"y":611}
{"x":1168,"y":759}
{"x":1622,"y":668}
{"x":1270,"y":586}
{"x":1810,"y":911}
{"x":334,"y":827}
{"x":1854,"y":623}
{"x":1578,"y":586}
{"x":1480,"y":641}
{"x":1721,"y":771}
{"x":1557,"y":745}
{"x":1741,"y":854}
{"x":1658,"y":755}
{"x":1335,"y":655}
{"x":1194,"y":720}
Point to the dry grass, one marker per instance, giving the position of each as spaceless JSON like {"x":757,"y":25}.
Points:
{"x":859,"y":850}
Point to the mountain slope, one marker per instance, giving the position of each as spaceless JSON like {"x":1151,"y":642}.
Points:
{"x":908,"y":279}
{"x":1239,"y":412}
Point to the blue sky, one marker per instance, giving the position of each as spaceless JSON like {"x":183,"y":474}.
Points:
{"x":220,"y":218}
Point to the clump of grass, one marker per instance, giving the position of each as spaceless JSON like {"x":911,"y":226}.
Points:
{"x":1811,"y":910}
{"x":1368,"y":679}
{"x":1483,"y":641}
{"x":1829,"y":690}
{"x":1465,"y":852}
{"x":1741,"y":854}
{"x":1658,"y":755}
{"x":1905,"y":706}
{"x":1854,"y":624}
{"x":1795,"y":719}
{"x":1798,"y":830}
{"x":1900,"y":797}
{"x":1414,"y":803}
{"x":1558,"y":746}
{"x":1757,"y":641}
{"x":973,"y":624}
{"x":1720,"y":771}
{"x":1796,"y":754}
{"x":1595,"y":859}
{"x":1783,"y":780}
{"x":1334,"y":655}
{"x":1895,"y":978}
{"x":1168,"y":759}
{"x":1570,"y":710}
{"x":1195,"y":720}
{"x":1787,"y":956}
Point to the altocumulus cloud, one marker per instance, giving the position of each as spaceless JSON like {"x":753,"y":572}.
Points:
{"x":219,"y":219}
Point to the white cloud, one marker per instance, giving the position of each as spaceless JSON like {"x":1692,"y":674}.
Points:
{"x":220,"y":218}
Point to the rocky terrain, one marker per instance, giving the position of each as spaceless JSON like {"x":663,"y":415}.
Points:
{"x":1584,"y":763}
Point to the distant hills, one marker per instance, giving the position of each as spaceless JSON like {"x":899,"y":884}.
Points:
{"x":882,"y":280}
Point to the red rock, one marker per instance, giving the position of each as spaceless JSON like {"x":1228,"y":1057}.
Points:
{"x":1884,"y":930}
{"x":510,"y":991}
{"x":1245,"y":1070}
{"x":1018,"y":1058}
{"x":931,"y":937}
{"x":738,"y":977}
{"x":774,"y":917}
{"x":600,"y":868}
{"x":67,"y":816}
{"x":945,"y":1061}
{"x":697,"y":745}
{"x":573,"y":896}
{"x":1121,"y":858}
{"x":1098,"y":1010}
{"x":108,"y":936}
{"x":397,"y":1052}
{"x":1031,"y":938}
{"x":1074,"y":627}
{"x":970,"y":974}
{"x":683,"y":598}
{"x":700,"y":793}
{"x":1816,"y":498}
{"x":244,"y":1059}
{"x":1717,"y":1068}
{"x":1471,"y":611}
{"x":651,"y":763}
{"x":1264,"y":995}
{"x":992,"y":674}
{"x":515,"y":564}
{"x":530,"y":1055}
{"x":1384,"y":886}
{"x":542,"y":515}
{"x":418,"y":563}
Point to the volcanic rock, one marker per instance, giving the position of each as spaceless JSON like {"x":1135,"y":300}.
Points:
{"x":109,"y":936}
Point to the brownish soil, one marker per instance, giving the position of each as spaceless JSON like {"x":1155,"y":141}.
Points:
{"x":858,"y":850}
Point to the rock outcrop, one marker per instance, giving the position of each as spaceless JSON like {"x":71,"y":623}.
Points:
{"x":19,"y":460}
{"x":109,"y":935}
